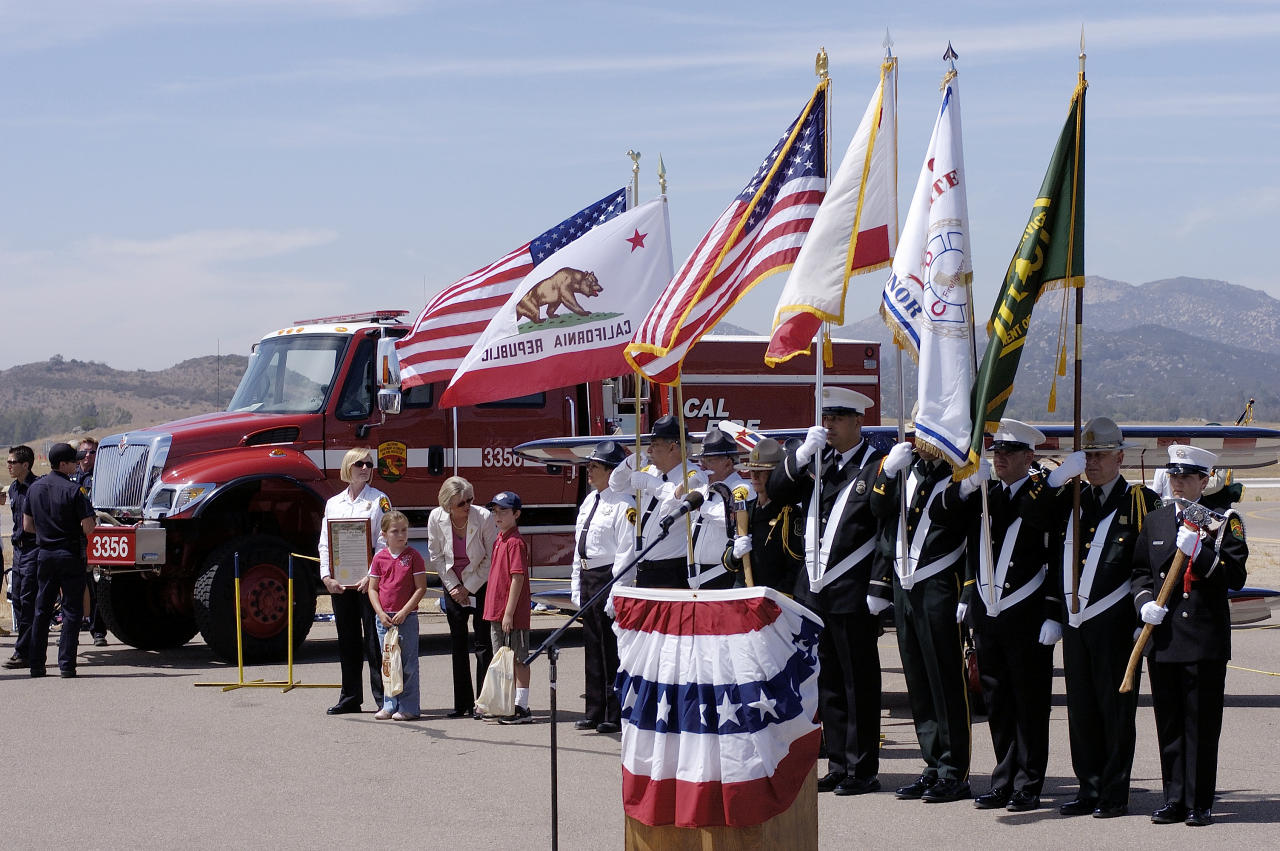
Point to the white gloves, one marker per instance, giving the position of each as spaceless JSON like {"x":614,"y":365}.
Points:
{"x":620,"y":478}
{"x":741,"y":546}
{"x":1071,"y":466}
{"x":898,"y":459}
{"x":645,"y":481}
{"x":973,"y":482}
{"x":814,"y":441}
{"x":1050,"y":632}
{"x":1153,"y":613}
{"x":1187,"y":540}
{"x":962,"y":609}
{"x":876,"y":605}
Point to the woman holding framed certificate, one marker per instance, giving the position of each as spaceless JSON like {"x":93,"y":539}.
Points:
{"x":460,"y":535}
{"x":349,"y":535}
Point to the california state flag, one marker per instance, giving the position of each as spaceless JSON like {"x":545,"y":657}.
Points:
{"x":854,"y":231}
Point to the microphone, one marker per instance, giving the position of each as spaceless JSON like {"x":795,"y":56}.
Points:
{"x":692,"y":502}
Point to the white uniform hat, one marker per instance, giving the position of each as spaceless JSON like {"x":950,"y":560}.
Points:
{"x":1184,"y":459}
{"x":841,"y":400}
{"x":1101,"y":434}
{"x":1014,"y":434}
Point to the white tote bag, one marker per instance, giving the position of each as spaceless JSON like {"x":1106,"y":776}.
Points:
{"x":392,"y":671}
{"x":498,"y":694}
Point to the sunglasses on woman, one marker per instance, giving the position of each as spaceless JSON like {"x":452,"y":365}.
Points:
{"x":365,"y":463}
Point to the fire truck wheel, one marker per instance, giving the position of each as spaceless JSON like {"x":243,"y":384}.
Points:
{"x":145,"y":612}
{"x":264,"y":595}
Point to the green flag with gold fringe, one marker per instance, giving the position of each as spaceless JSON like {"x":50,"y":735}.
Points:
{"x":1050,"y":256}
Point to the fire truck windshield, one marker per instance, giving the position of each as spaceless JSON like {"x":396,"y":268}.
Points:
{"x":290,"y":374}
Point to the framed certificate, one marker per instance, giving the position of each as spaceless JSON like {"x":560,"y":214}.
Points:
{"x":350,"y":549}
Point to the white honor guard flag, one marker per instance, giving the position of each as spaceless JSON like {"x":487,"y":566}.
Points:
{"x":719,"y":691}
{"x":854,"y":231}
{"x":927,"y":300}
{"x":570,"y":317}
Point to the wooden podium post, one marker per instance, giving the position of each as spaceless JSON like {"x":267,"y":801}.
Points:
{"x":797,"y":828}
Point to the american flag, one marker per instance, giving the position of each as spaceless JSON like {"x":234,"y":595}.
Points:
{"x":719,"y":693}
{"x":758,"y":235}
{"x":452,"y":321}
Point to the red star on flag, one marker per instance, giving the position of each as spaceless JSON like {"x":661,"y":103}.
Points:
{"x":637,"y":240}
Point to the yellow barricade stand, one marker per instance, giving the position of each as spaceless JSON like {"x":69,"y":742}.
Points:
{"x":289,"y":684}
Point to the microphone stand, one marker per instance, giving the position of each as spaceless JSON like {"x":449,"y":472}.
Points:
{"x":552,"y":649}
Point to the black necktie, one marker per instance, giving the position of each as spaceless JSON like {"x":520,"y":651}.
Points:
{"x":582,"y":538}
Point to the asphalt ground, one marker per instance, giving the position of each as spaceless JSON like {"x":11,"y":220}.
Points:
{"x":131,"y":753}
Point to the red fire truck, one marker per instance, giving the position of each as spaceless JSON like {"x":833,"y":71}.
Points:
{"x":190,"y":497}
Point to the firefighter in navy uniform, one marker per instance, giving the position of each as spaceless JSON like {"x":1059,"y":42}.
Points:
{"x":660,"y":493}
{"x":925,"y":588}
{"x":86,"y":457}
{"x":775,"y":529}
{"x":61,"y":517}
{"x":605,"y":525}
{"x":1008,"y":601}
{"x":22,"y":573}
{"x":1098,"y":638}
{"x":839,"y":523}
{"x":1191,"y":643}
{"x":712,"y":535}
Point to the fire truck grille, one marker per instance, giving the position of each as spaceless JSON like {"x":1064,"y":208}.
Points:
{"x":121,"y":479}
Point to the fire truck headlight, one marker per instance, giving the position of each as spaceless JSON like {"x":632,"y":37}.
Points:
{"x":188,"y":496}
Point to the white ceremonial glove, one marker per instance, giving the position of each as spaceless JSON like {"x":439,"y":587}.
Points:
{"x":814,"y":440}
{"x":620,"y":478}
{"x":1153,"y":613}
{"x":973,"y":482}
{"x":962,"y":609}
{"x":1187,"y":540}
{"x":645,"y":481}
{"x":1050,"y":632}
{"x":1071,"y":466}
{"x":741,"y":546}
{"x":898,"y":459}
{"x":876,"y":605}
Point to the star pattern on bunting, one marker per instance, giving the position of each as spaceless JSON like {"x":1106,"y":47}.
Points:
{"x":727,"y":710}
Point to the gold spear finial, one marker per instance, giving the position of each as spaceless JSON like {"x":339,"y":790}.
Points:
{"x":635,"y":176}
{"x":820,"y":64}
{"x":662,"y":175}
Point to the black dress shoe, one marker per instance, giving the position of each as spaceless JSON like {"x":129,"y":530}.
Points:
{"x":68,"y":673}
{"x":917,"y":789}
{"x":584,"y":724}
{"x":945,"y":791}
{"x":1106,"y":810}
{"x":1022,"y":801}
{"x":1200,"y":818}
{"x":342,"y":709}
{"x":608,"y":728}
{"x":858,"y":786}
{"x":994,"y":798}
{"x":1078,"y":807}
{"x":16,"y":662}
{"x":458,"y":713}
{"x":829,"y":781}
{"x":1171,"y":813}
{"x":37,"y":672}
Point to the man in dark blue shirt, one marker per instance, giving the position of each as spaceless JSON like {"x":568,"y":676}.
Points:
{"x":22,"y":575}
{"x":58,"y":514}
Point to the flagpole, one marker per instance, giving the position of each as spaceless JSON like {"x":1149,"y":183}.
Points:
{"x":1081,"y":84}
{"x":635,"y":192}
{"x":690,"y":565}
{"x":902,"y":379}
{"x":821,"y":69}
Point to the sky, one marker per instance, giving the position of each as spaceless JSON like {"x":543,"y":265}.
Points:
{"x":180,"y":177}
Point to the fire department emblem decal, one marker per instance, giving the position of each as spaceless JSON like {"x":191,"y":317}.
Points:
{"x":393,"y":459}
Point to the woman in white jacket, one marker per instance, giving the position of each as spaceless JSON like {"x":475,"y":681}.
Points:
{"x":460,"y":536}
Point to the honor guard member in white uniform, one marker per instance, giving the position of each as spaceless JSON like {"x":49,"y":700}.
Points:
{"x":606,"y":524}
{"x":1191,"y":643}
{"x":841,"y":531}
{"x":1007,"y":600}
{"x":925,"y":587}
{"x":660,"y":492}
{"x":1098,"y":637}
{"x":711,"y":533}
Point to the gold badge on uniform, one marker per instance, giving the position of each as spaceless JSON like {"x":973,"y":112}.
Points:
{"x":1237,"y":528}
{"x":384,"y":504}
{"x":631,"y":516}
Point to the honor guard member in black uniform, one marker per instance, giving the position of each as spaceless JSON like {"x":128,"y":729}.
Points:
{"x":841,"y":531}
{"x":22,"y":574}
{"x":59,"y":514}
{"x":1098,"y":637}
{"x":775,"y":536}
{"x":606,"y":525}
{"x":926,"y":596}
{"x":1191,"y":643}
{"x":1007,"y":600}
{"x":660,"y":493}
{"x":712,"y":534}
